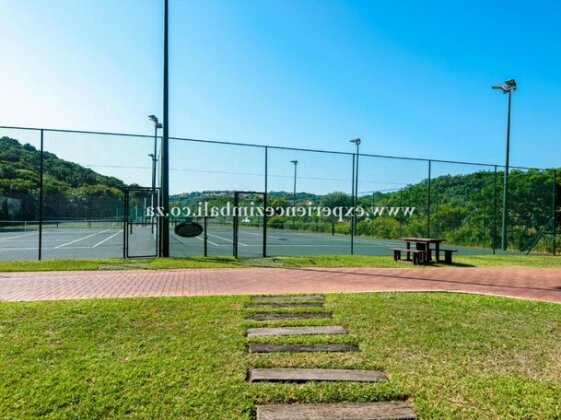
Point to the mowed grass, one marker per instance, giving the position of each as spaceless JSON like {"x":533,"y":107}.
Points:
{"x":451,"y":355}
{"x":517,"y":261}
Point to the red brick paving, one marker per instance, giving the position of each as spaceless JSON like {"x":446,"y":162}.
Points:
{"x":539,"y":284}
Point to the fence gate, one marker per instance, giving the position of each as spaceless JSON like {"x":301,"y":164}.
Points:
{"x":141,"y":224}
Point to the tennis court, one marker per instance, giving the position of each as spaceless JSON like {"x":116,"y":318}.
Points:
{"x":106,"y":240}
{"x":288,"y":242}
{"x":62,"y":240}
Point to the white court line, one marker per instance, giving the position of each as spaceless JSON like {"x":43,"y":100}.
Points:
{"x":226,"y":239}
{"x":44,"y":248}
{"x":318,"y":235}
{"x":210,"y":242}
{"x":200,"y":239}
{"x":17,"y":249}
{"x":261,"y":235}
{"x":20,"y":236}
{"x":340,"y":238}
{"x":81,"y":239}
{"x":327,"y":236}
{"x":306,"y":245}
{"x":106,"y":239}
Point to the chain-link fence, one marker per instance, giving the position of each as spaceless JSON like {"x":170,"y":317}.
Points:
{"x":68,"y":194}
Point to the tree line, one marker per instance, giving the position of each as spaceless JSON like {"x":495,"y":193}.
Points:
{"x":70,"y":190}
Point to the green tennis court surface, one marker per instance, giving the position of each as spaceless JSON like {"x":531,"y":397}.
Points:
{"x":105,"y":240}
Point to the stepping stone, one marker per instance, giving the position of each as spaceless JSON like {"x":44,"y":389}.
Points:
{"x":304,"y":375}
{"x":284,"y":298}
{"x":330,"y":329}
{"x":301,"y":348}
{"x":397,"y":410}
{"x":287,"y":315}
{"x":284,"y":306}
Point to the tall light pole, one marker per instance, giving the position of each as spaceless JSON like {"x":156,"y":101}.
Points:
{"x":157,"y":125}
{"x":153,"y":193}
{"x":295,"y":162}
{"x":357,"y":142}
{"x":507,"y":87}
{"x":164,"y":233}
{"x":154,"y":157}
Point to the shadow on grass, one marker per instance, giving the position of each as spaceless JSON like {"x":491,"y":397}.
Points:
{"x":454,"y":264}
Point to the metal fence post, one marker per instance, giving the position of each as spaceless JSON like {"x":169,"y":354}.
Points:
{"x":495,"y":213}
{"x":554,"y":211}
{"x":41,"y":192}
{"x":164,"y":234}
{"x":401,"y":218}
{"x":265,"y":202}
{"x":126,"y":222}
{"x":353,"y":204}
{"x":235,"y":224}
{"x":428,"y":200}
{"x":205,"y":222}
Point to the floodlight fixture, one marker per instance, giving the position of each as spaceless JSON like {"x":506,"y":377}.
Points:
{"x":155,"y":120}
{"x":507,"y":87}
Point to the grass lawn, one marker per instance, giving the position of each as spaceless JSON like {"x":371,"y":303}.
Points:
{"x":452,"y":355}
{"x":522,"y":261}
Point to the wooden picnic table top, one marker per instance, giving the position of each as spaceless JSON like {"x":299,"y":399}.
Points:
{"x":425,"y":240}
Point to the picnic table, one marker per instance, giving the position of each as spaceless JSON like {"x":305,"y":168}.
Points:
{"x":422,"y":252}
{"x":423,"y":244}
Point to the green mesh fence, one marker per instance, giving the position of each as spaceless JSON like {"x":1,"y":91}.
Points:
{"x":62,"y":195}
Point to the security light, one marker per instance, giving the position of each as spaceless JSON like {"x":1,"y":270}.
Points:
{"x":154,"y":119}
{"x":507,"y":87}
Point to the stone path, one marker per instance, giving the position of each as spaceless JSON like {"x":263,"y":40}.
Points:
{"x":260,"y":332}
{"x":288,"y":299}
{"x":303,"y":315}
{"x":344,"y":411}
{"x":301,"y":348}
{"x":305,"y":375}
{"x":539,"y":284}
{"x":336,"y":411}
{"x":284,"y":306}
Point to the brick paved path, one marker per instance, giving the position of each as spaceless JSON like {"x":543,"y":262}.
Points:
{"x":542,"y":284}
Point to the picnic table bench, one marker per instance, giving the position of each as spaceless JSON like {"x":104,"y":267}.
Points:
{"x":448,"y":255}
{"x":418,"y":255}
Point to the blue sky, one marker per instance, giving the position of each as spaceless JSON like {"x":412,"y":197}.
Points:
{"x":410,"y":78}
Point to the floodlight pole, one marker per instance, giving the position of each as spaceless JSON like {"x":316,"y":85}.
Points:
{"x":357,"y":142}
{"x":507,"y":87}
{"x":295,"y":162}
{"x":164,"y":225}
{"x":154,"y":157}
{"x":505,"y":186}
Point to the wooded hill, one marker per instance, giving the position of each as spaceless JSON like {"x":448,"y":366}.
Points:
{"x":467,"y":209}
{"x":70,"y":190}
{"x":464,"y":209}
